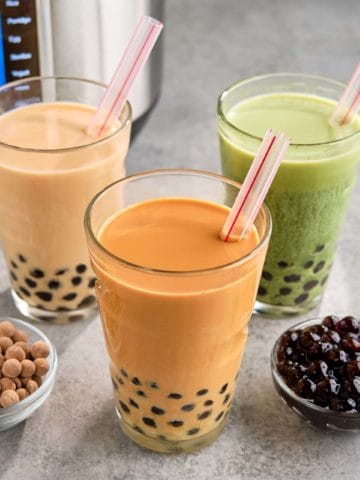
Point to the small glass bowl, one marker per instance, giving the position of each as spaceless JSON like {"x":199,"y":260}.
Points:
{"x":313,"y":414}
{"x":14,"y":414}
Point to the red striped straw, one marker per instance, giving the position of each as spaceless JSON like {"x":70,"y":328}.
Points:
{"x":349,"y":103}
{"x":131,"y":63}
{"x":256,"y":185}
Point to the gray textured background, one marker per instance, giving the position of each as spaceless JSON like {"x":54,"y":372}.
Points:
{"x":209,"y":44}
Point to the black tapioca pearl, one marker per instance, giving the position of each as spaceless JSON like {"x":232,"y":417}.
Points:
{"x":115,"y":385}
{"x":37,"y":273}
{"x":311,"y":284}
{"x":285,"y":291}
{"x":162,"y":437}
{"x":141,"y":393}
{"x":136,"y":381}
{"x":204,"y":414}
{"x":92,"y":282}
{"x":63,"y":309}
{"x":208,"y":403}
{"x":319,"y":248}
{"x":13,"y":264}
{"x":54,"y":284}
{"x":45,"y":296}
{"x":22,"y":258}
{"x":139,"y":430}
{"x":120,"y":380}
{"x":226,"y":399}
{"x":202,"y":392}
{"x":188,"y":407}
{"x":70,"y":296}
{"x":13,"y":276}
{"x":158,"y":411}
{"x":30,"y":283}
{"x":301,"y":298}
{"x":124,"y":407}
{"x":282,"y":264}
{"x":323,"y":281}
{"x":25,"y":291}
{"x":176,"y":423}
{"x":261,"y":291}
{"x":18,"y":294}
{"x":61,"y":271}
{"x":219,"y":416}
{"x":75,"y":318}
{"x":76,"y":280}
{"x":223,"y":388}
{"x":81,"y":268}
{"x":193,"y":431}
{"x":133,"y":403}
{"x":267,"y":275}
{"x":175,"y":396}
{"x":123,"y":373}
{"x":150,"y":422}
{"x":292,"y":278}
{"x":309,"y":264}
{"x":153,"y":385}
{"x":319,"y":266}
{"x":87,"y":301}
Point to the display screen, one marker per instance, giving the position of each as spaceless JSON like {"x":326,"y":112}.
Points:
{"x":19,"y":55}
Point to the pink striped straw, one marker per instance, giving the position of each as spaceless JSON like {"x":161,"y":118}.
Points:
{"x":349,"y":103}
{"x":131,"y":63}
{"x":256,"y":185}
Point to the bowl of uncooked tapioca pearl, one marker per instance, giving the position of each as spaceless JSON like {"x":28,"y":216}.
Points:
{"x":28,"y":364}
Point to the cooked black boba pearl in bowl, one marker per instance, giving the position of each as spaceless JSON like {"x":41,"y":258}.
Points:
{"x":316,"y":370}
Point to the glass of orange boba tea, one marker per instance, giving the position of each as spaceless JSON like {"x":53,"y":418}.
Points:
{"x":49,"y":171}
{"x":174,"y":300}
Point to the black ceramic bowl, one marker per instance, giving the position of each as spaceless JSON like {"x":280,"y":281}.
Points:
{"x":319,"y":417}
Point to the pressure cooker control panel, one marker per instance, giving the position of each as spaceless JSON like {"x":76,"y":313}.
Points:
{"x":19,"y":49}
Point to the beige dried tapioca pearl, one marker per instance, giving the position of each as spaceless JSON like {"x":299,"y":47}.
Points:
{"x":7,"y":384}
{"x":42,"y":366}
{"x":25,"y":346}
{"x":15,"y":352}
{"x":8,"y":397}
{"x":17,"y":382}
{"x":37,"y":379}
{"x":20,"y":336}
{"x":31,"y":386}
{"x":7,"y":329}
{"x":22,"y":392}
{"x":27,"y":368}
{"x":11,"y":368}
{"x":5,"y":343}
{"x":2,"y":360}
{"x":39,"y":350}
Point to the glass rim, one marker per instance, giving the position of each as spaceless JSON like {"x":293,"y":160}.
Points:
{"x":39,"y":78}
{"x":174,"y":273}
{"x":221,"y":114}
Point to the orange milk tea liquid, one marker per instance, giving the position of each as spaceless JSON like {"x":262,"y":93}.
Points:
{"x":44,"y":189}
{"x":175,"y":340}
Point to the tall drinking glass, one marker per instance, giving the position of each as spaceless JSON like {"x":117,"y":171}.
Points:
{"x":49,"y":170}
{"x":175,"y":337}
{"x":310,"y":194}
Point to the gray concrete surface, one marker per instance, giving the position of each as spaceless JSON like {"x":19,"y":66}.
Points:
{"x":209,"y":44}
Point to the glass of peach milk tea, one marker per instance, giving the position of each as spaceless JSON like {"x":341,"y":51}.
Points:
{"x":174,"y":300}
{"x":49,"y":171}
{"x":310,"y":194}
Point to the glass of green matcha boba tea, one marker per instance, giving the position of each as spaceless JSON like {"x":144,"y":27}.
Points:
{"x":310,"y":194}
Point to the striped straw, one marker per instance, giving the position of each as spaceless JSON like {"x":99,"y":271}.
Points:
{"x":349,"y":103}
{"x":255,"y":187}
{"x":135,"y":55}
